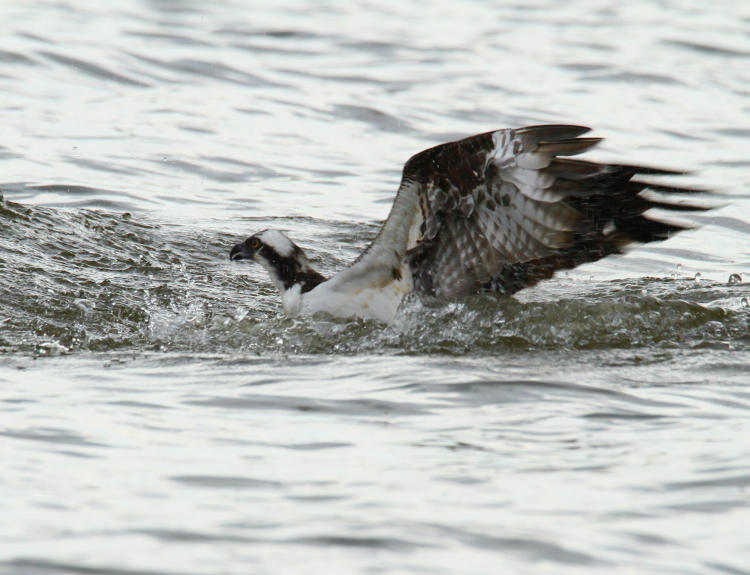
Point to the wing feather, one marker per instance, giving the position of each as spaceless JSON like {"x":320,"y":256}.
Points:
{"x":565,"y":147}
{"x":504,"y":209}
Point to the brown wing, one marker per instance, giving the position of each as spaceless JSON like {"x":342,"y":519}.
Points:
{"x":503,"y":210}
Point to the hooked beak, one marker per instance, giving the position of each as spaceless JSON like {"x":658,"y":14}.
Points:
{"x":241,"y":252}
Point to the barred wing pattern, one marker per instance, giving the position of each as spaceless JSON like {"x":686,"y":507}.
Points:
{"x":497,"y":211}
{"x":505,"y":209}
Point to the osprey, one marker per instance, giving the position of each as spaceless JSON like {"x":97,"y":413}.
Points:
{"x":496,"y":211}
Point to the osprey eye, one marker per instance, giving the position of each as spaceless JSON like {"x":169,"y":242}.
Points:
{"x":254,"y":243}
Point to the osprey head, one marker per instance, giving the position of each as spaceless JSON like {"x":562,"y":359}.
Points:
{"x":268,"y":245}
{"x":285,"y":261}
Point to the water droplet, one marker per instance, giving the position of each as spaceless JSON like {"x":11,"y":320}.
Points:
{"x":734,"y":279}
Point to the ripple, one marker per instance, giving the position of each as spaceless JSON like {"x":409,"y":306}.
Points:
{"x":71,"y":195}
{"x":206,"y":68}
{"x":179,"y":39}
{"x":359,"y":407}
{"x":371,"y":116}
{"x":51,"y":435}
{"x":225,"y":482}
{"x":384,"y":543}
{"x":534,"y":547}
{"x":741,"y":481}
{"x":92,"y":69}
{"x":23,"y":566}
{"x":708,"y":49}
{"x":15,"y":58}
{"x":725,"y":568}
{"x":634,"y":77}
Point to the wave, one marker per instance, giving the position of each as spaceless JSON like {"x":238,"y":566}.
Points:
{"x":86,"y":280}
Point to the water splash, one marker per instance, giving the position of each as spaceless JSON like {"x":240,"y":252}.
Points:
{"x":97,"y":281}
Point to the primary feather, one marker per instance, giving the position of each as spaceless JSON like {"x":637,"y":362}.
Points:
{"x":499,"y":211}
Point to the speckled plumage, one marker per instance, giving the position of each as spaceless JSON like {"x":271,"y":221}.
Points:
{"x":500,"y":211}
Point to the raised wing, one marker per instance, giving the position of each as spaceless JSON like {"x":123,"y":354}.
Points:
{"x":500,"y":211}
{"x":504,"y":209}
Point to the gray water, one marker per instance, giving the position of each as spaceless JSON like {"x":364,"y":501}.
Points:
{"x":159,"y":415}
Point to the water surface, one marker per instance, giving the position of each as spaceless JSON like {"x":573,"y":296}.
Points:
{"x":159,"y":415}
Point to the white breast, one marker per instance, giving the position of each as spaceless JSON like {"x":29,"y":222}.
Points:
{"x":292,"y":300}
{"x":374,"y":297}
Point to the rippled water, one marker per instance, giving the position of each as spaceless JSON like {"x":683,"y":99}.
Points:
{"x":159,"y":415}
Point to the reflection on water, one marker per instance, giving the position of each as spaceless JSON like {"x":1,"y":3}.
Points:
{"x":159,"y":415}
